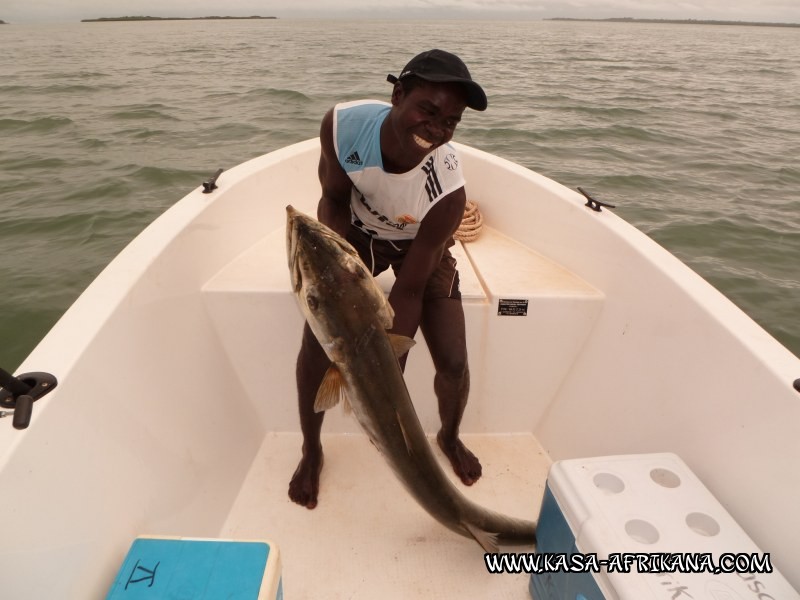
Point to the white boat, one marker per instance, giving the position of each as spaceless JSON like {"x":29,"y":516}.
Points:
{"x":175,"y":411}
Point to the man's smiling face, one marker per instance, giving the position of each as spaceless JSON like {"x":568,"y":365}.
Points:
{"x":421,"y":120}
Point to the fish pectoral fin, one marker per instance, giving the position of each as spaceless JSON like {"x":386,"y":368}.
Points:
{"x":488,"y":541}
{"x":401,"y":344}
{"x":331,"y":390}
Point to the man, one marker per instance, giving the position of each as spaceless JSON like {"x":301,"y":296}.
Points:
{"x":393,"y":187}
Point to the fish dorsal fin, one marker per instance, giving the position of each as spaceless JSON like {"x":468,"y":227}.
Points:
{"x":401,"y":344}
{"x":331,"y":390}
{"x":488,"y":541}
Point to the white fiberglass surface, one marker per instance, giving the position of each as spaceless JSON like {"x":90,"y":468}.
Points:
{"x":367,"y":538}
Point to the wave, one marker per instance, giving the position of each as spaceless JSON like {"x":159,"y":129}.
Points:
{"x":75,"y":88}
{"x":269,"y":93}
{"x":15,"y":89}
{"x":34,"y":163}
{"x":156,"y":178}
{"x":93,"y":143}
{"x":137,"y":112}
{"x":36,"y":125}
{"x":614,"y":112}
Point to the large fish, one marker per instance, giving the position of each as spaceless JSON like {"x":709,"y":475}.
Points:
{"x":349,"y":315}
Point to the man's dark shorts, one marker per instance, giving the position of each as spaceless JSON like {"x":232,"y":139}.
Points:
{"x":382,"y":254}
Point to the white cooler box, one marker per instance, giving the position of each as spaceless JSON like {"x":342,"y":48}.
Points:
{"x":644,"y":513}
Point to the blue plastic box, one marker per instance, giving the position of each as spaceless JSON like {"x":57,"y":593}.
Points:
{"x":200,"y":569}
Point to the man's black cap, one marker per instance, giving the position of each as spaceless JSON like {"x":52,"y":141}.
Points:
{"x":440,"y":67}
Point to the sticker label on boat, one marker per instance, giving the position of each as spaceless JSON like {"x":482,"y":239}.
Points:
{"x":512,"y":308}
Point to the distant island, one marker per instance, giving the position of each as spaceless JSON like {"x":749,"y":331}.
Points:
{"x":679,"y":21}
{"x":3,"y":22}
{"x":214,"y":18}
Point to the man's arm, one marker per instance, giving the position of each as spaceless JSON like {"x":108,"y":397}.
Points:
{"x":334,"y":205}
{"x":423,"y":257}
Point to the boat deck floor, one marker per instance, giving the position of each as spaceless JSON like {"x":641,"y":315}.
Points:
{"x":367,"y":538}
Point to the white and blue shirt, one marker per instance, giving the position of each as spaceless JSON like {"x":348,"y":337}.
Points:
{"x":386,"y":205}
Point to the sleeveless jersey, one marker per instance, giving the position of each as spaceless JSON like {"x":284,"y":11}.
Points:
{"x":388,"y":206}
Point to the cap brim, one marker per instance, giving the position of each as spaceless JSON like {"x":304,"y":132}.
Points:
{"x":476,"y":97}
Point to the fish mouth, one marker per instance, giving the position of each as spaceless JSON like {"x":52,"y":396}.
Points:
{"x":308,"y":241}
{"x":292,"y":235}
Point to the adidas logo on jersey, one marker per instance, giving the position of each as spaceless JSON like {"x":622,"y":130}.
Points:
{"x":354,"y":159}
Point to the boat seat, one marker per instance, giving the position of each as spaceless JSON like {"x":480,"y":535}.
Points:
{"x":263,"y":268}
{"x":513,"y":298}
{"x":532,"y":303}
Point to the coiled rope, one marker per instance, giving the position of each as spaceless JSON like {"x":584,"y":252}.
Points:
{"x":471,"y":223}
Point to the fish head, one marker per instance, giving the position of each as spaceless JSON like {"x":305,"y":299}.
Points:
{"x":335,"y":291}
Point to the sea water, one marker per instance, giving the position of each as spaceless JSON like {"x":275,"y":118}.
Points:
{"x":693,"y":131}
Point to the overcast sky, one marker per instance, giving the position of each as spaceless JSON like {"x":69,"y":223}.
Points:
{"x":29,"y":11}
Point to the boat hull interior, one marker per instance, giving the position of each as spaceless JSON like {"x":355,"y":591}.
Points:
{"x":176,"y":409}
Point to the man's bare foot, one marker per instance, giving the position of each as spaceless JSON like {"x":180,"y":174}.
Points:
{"x":304,"y":486}
{"x":465,"y":463}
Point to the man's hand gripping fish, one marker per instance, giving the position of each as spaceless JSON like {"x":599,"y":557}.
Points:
{"x":349,"y":316}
